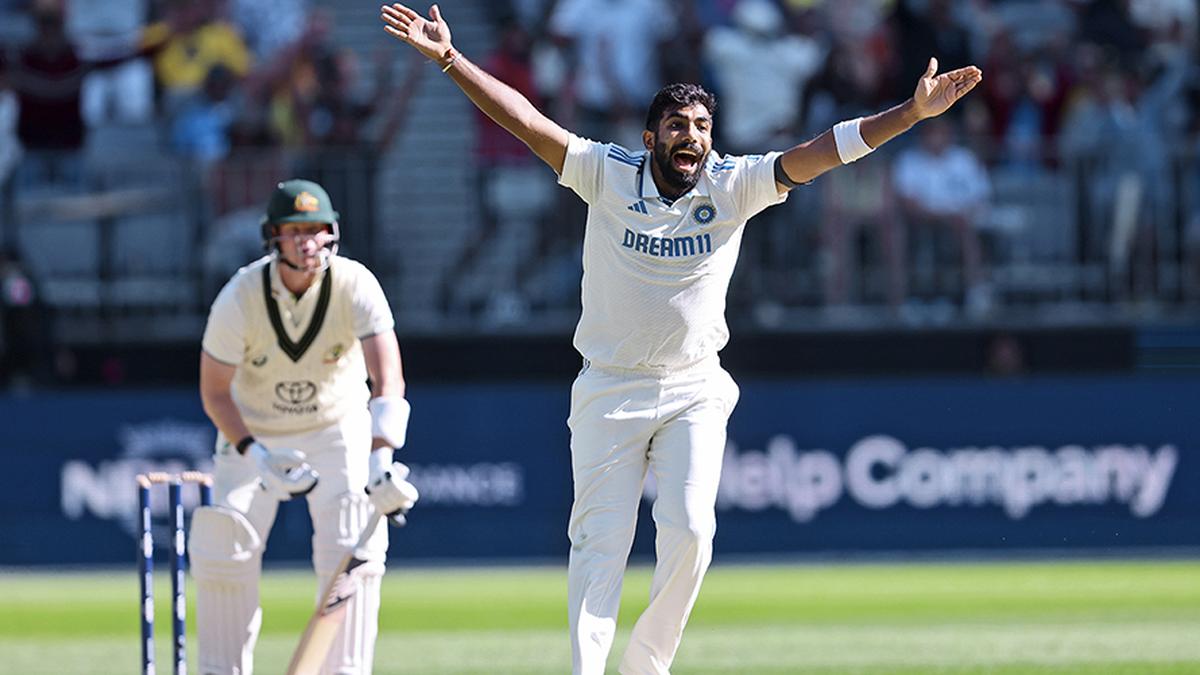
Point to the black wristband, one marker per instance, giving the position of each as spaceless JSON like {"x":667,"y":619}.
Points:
{"x":243,"y":444}
{"x":781,"y":176}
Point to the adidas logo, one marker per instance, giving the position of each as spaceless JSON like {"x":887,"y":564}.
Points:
{"x":639,"y":207}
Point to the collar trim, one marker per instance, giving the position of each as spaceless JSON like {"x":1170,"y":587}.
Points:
{"x":296,"y":349}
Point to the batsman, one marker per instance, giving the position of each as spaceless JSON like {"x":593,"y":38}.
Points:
{"x":290,"y":342}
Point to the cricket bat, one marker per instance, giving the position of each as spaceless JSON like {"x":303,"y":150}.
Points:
{"x":331,"y":611}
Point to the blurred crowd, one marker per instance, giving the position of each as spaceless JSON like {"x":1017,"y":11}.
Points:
{"x":208,"y":77}
{"x":1108,"y":88}
{"x":1100,"y":95}
{"x":240,"y":92}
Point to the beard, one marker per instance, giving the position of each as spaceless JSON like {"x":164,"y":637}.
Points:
{"x":679,"y":182}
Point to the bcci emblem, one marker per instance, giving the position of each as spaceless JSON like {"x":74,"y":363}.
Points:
{"x":704,"y":214}
{"x":306,"y":203}
{"x":295,"y":393}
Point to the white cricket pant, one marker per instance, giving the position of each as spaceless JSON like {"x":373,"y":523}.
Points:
{"x":623,"y":423}
{"x":339,"y":509}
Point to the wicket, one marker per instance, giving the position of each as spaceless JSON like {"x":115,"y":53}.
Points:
{"x":174,"y":484}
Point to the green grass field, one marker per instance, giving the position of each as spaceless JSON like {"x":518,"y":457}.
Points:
{"x":1089,"y":617}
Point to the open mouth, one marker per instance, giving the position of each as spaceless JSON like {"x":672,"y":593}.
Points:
{"x":685,"y":160}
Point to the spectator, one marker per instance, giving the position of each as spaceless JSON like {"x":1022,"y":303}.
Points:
{"x":760,"y":106}
{"x":512,"y":187}
{"x":1163,"y":17}
{"x":530,"y":14}
{"x":859,"y":197}
{"x":517,"y":196}
{"x":850,"y":21}
{"x":852,"y":82}
{"x":943,"y":185}
{"x":47,"y":75}
{"x":616,"y":61}
{"x":511,"y":63}
{"x":105,"y":31}
{"x":1107,"y":23}
{"x":933,"y":31}
{"x":273,"y":90}
{"x":188,"y":43}
{"x":344,"y":142}
{"x":1125,"y":131}
{"x":1025,"y":96}
{"x":200,"y":130}
{"x":270,"y":26}
{"x":266,"y":123}
{"x":331,"y":114}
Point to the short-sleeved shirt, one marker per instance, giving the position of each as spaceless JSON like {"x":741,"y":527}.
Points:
{"x":617,"y":46}
{"x":185,"y":59}
{"x":954,"y":182}
{"x":655,"y":273}
{"x":299,"y":361}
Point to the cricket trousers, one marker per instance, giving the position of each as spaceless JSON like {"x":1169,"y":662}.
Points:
{"x":623,"y":424}
{"x":339,"y":510}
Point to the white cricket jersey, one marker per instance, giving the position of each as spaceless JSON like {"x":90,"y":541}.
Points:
{"x":299,"y":362}
{"x":655,"y":274}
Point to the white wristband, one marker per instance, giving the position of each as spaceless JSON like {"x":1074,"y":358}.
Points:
{"x":849,"y":141}
{"x":389,"y":419}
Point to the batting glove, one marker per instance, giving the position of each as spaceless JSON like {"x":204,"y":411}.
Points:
{"x":284,"y":473}
{"x":391,"y":494}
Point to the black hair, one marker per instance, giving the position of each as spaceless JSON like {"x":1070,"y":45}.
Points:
{"x":675,"y":96}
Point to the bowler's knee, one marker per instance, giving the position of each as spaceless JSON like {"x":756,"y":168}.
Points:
{"x":603,"y":534}
{"x":695,"y":531}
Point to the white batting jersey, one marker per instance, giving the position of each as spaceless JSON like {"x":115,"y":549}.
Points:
{"x":299,"y":362}
{"x":655,"y":273}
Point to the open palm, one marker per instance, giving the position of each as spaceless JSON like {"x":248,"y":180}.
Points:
{"x":429,"y":36}
{"x":936,"y":93}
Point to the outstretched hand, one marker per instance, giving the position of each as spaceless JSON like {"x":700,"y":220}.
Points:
{"x":429,"y":36}
{"x":936,"y":93}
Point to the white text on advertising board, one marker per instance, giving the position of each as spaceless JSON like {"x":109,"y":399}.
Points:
{"x":879,"y":472}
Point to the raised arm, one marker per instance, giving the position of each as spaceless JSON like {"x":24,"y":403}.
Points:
{"x":853,"y":139}
{"x":497,"y":100}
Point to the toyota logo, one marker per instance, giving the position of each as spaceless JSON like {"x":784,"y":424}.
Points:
{"x":296,"y":393}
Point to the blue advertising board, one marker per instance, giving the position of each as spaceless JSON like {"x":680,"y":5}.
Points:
{"x":810,"y":466}
{"x":962,"y":464}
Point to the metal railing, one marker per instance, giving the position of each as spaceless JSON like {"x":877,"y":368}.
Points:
{"x":134,"y":251}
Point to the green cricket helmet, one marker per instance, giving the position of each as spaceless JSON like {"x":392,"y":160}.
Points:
{"x":300,"y":201}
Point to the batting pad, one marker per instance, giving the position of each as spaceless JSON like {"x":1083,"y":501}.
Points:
{"x":353,"y":650}
{"x":223,"y":544}
{"x":225,"y":553}
{"x":337,"y":526}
